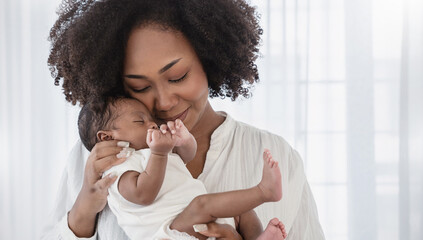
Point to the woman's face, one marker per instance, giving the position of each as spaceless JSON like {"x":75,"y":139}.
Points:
{"x":162,"y":70}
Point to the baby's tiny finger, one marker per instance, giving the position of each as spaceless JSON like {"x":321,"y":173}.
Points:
{"x":171,"y":126}
{"x":178,"y":123}
{"x":163,"y":128}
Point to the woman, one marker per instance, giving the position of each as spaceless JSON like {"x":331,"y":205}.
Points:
{"x":171,"y":56}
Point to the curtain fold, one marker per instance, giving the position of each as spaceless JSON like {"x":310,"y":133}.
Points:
{"x":342,"y":81}
{"x":411,"y":127}
{"x":360,"y":129}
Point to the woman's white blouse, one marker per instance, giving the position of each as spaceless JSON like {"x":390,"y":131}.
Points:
{"x":234,"y":161}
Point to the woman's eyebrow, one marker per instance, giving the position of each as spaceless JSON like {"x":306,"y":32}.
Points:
{"x":135,"y":76}
{"x":162,"y":70}
{"x":169,"y":65}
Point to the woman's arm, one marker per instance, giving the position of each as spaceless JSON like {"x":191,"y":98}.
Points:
{"x":77,"y":178}
{"x":306,"y":224}
{"x":249,"y":225}
{"x":93,"y":195}
{"x":221,"y":231}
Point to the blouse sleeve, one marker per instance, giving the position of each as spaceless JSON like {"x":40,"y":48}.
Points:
{"x":306,"y":224}
{"x":70,"y":184}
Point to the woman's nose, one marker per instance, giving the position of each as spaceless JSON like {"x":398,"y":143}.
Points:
{"x":165,"y":100}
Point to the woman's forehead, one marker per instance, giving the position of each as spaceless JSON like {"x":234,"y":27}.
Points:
{"x":152,"y":47}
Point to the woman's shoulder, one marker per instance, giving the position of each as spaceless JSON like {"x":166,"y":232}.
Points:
{"x":246,"y":131}
{"x":237,"y":136}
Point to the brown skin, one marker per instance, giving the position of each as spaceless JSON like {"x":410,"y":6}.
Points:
{"x":131,"y":124}
{"x":164,"y":97}
{"x":134,"y":124}
{"x":148,"y":50}
{"x":93,"y":195}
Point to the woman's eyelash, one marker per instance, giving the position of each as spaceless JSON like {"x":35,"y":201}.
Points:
{"x":140,"y":90}
{"x":172,"y":81}
{"x":179,"y":79}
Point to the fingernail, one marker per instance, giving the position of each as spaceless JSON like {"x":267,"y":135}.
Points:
{"x":173,"y":131}
{"x":112,"y":175}
{"x":123,"y":144}
{"x":122,"y":154}
{"x":129,"y":149}
{"x":200,"y":227}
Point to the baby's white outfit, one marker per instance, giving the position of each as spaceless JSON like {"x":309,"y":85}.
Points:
{"x":152,"y":221}
{"x":232,"y":162}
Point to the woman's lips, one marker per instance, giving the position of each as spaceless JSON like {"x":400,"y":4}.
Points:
{"x":181,"y":116}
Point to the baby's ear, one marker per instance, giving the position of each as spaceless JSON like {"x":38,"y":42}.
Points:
{"x":104,"y":135}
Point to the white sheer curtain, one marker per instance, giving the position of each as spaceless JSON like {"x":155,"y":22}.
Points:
{"x":38,"y":128}
{"x":342,"y":81}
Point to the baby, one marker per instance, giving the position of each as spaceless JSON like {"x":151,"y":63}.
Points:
{"x":155,"y":196}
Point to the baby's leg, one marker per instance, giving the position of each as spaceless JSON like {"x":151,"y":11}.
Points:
{"x":206,"y":208}
{"x":275,"y":230}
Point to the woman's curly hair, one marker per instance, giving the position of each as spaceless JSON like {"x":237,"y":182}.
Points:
{"x":89,"y":38}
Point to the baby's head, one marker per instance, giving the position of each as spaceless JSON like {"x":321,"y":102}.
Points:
{"x":118,"y":118}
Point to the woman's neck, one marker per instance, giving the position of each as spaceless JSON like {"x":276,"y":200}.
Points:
{"x":209,"y":121}
{"x":202,"y":132}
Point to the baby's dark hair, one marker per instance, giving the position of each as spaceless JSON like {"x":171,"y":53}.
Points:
{"x":96,"y":114}
{"x":89,"y":39}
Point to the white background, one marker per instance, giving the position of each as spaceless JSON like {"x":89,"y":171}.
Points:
{"x":342,"y":81}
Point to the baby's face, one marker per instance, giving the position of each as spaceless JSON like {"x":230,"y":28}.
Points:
{"x":132,"y":122}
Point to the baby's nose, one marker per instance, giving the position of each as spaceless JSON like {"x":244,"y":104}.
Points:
{"x":154,"y":126}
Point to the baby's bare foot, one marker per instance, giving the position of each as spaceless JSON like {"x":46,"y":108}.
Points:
{"x":274,"y":230}
{"x":271,"y":182}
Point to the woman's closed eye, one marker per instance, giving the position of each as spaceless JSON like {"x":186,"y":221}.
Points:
{"x":145,"y":89}
{"x":179,"y":79}
{"x":141,"y":90}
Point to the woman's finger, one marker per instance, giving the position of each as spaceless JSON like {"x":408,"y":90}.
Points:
{"x":106,"y":181}
{"x":104,"y":164}
{"x":106,"y":148}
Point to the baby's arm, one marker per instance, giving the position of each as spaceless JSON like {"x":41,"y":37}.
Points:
{"x":186,"y":145}
{"x":142,"y":188}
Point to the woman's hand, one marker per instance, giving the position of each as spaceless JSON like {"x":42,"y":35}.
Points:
{"x":93,"y":195}
{"x":221,"y":232}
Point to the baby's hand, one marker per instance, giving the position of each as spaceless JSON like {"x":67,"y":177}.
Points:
{"x":179,"y":132}
{"x":160,"y":143}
